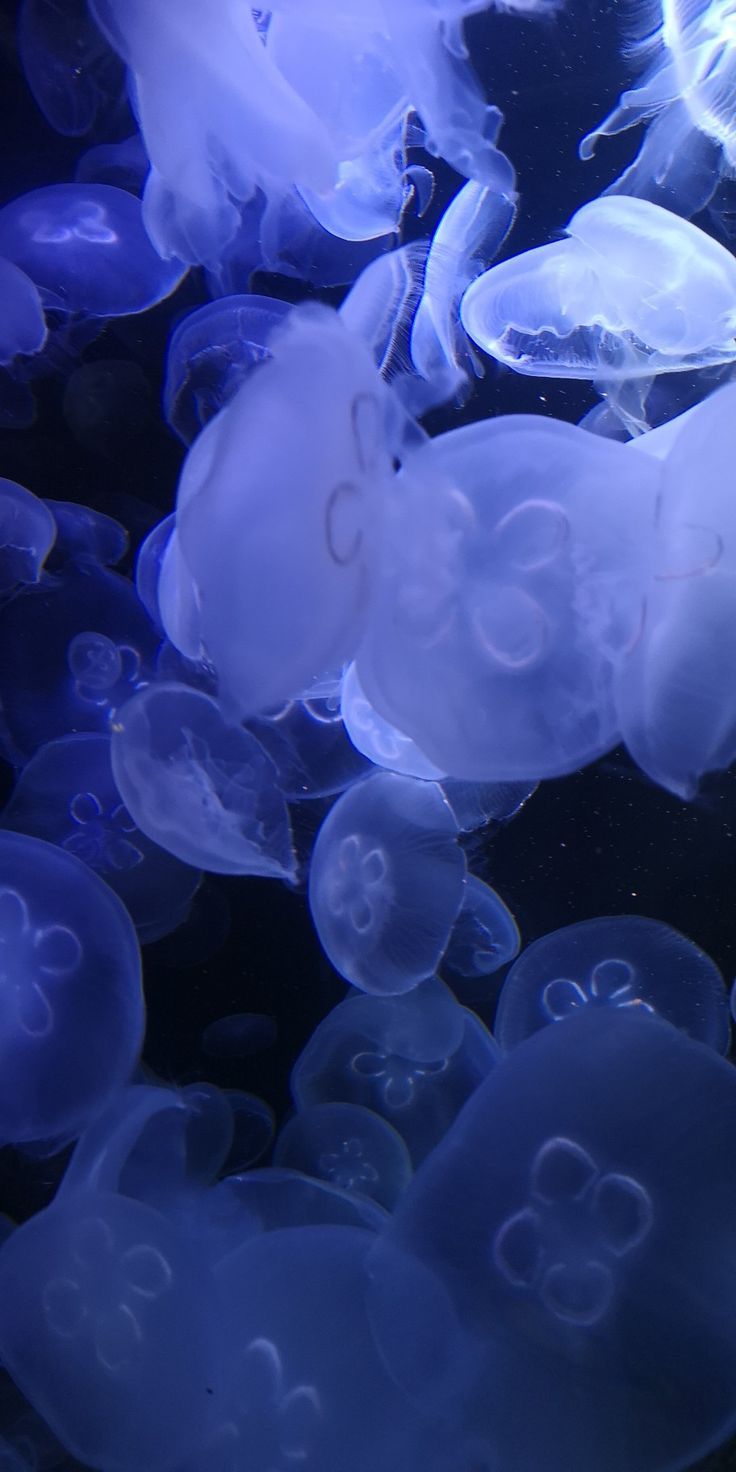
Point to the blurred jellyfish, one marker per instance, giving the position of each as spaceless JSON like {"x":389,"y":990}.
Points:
{"x":200,"y":788}
{"x":349,"y":1146}
{"x":386,"y":882}
{"x":27,"y":534}
{"x":86,"y":535}
{"x":67,"y":795}
{"x":109,"y":405}
{"x":22,"y":320}
{"x":310,"y":746}
{"x":75,"y":78}
{"x":239,"y":1035}
{"x":85,"y":248}
{"x":569,"y":1214}
{"x":67,"y":1043}
{"x":618,"y":961}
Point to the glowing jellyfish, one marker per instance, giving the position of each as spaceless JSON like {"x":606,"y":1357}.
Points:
{"x":27,"y":534}
{"x":211,"y":353}
{"x":200,"y":788}
{"x":23,"y":324}
{"x":85,"y":248}
{"x":67,"y":1041}
{"x":386,"y":882}
{"x":485,"y":937}
{"x":618,"y":961}
{"x":578,"y":308}
{"x":349,"y":1146}
{"x":569,"y":1214}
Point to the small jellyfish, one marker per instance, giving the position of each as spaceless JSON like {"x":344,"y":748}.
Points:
{"x":84,"y":534}
{"x":86,"y":249}
{"x":378,"y":740}
{"x":76,"y":80}
{"x":311,"y":748}
{"x":617,"y":961}
{"x":22,"y":319}
{"x":349,"y":1146}
{"x":386,"y":882}
{"x":239,"y":1035}
{"x":202,"y":789}
{"x":67,"y":1042}
{"x":210,"y":354}
{"x":27,"y":534}
{"x":485,"y":936}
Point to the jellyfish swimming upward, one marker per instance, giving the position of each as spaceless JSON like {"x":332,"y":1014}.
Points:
{"x":368,"y":736}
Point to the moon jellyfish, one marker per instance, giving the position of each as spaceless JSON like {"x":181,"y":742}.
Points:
{"x":71,"y":1006}
{"x":674,"y":694}
{"x":210,"y":355}
{"x":633,"y":291}
{"x":349,"y":1146}
{"x":414,"y":1059}
{"x":569,"y":1213}
{"x":618,"y":961}
{"x":103,"y":1297}
{"x":311,"y":749}
{"x":517,"y":554}
{"x":110,"y":408}
{"x":27,"y":534}
{"x":22,"y":320}
{"x":86,"y":535}
{"x":485,"y":936}
{"x":74,"y":76}
{"x":278,"y":510}
{"x":85,"y":247}
{"x":66,"y":794}
{"x":386,"y":882}
{"x":200,"y":788}
{"x":376,"y":738}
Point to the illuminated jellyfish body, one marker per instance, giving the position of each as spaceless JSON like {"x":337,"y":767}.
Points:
{"x":349,"y":1146}
{"x":686,"y":94}
{"x":67,"y":795}
{"x":631,"y":292}
{"x":381,"y":742}
{"x":23,"y":329}
{"x":27,"y":534}
{"x":569,"y":1215}
{"x":85,"y":535}
{"x":103,"y":1297}
{"x":311,"y":749}
{"x":674,"y":688}
{"x":217,"y":117}
{"x":517,"y":555}
{"x":85,"y":247}
{"x":306,"y":1383}
{"x":266,"y":1199}
{"x":618,"y":961}
{"x":201,"y":789}
{"x":278,"y":511}
{"x":386,"y":882}
{"x":210,"y":354}
{"x":414,"y":1059}
{"x":485,"y":936}
{"x":73,"y":650}
{"x":239,"y":1034}
{"x":71,"y":1006}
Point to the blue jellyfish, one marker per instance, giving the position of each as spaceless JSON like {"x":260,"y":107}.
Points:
{"x":85,"y":247}
{"x":616,"y":961}
{"x":239,"y":1034}
{"x":71,"y":1006}
{"x":311,"y":748}
{"x":210,"y":354}
{"x":386,"y":882}
{"x":569,"y":1215}
{"x":23,"y":323}
{"x":485,"y":936}
{"x":27,"y":534}
{"x":349,"y":1146}
{"x":75,"y":78}
{"x":200,"y":788}
{"x":66,"y":794}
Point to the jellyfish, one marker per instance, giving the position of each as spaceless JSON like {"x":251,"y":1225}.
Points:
{"x":277,"y":519}
{"x":27,"y":534}
{"x":569,"y":1215}
{"x":272,"y":1197}
{"x":378,"y":740}
{"x":110,"y":407}
{"x":75,"y":78}
{"x":577,"y":309}
{"x":349,"y":1146}
{"x":238,"y":1035}
{"x":311,"y":748}
{"x":23,"y":323}
{"x":198,"y":787}
{"x":485,"y":936}
{"x":85,"y":248}
{"x":414,"y":1059}
{"x":386,"y":882}
{"x":85,"y":535}
{"x":66,"y":794}
{"x":513,"y":580}
{"x":67,"y":1040}
{"x":210,"y":354}
{"x":616,"y":961}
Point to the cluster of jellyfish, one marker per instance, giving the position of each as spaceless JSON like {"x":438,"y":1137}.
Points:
{"x":349,"y":647}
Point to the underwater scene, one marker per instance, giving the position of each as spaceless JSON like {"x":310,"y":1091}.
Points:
{"x":368,"y":736}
